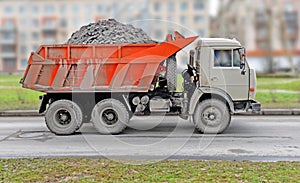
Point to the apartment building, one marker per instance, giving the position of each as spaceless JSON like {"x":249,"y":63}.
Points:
{"x":189,"y":17}
{"x":24,"y":25}
{"x":268,"y":28}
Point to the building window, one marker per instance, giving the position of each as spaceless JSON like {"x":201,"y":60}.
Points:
{"x":130,"y":7}
{"x":62,"y":8}
{"x":49,"y":23}
{"x":35,"y":22}
{"x":289,"y":6}
{"x":35,"y":35}
{"x":261,"y":17}
{"x":75,"y":9}
{"x":23,"y":50}
{"x":49,"y":35}
{"x":101,"y":8}
{"x":8,"y":9}
{"x":49,"y":9}
{"x":290,"y":30}
{"x":8,"y":35}
{"x":35,"y":9}
{"x":183,"y":19}
{"x":63,"y":23}
{"x":9,"y":23}
{"x":262,"y":32}
{"x":223,"y":58}
{"x":198,"y":19}
{"x":88,"y":8}
{"x":23,"y":36}
{"x":22,"y":9}
{"x":171,"y":6}
{"x":291,"y":16}
{"x":23,"y":62}
{"x":157,"y":6}
{"x":8,"y":49}
{"x":198,"y":5}
{"x":184,"y":6}
{"x":291,"y":43}
{"x":116,"y":8}
{"x":9,"y":63}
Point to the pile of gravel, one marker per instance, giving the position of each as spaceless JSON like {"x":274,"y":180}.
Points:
{"x":109,"y":32}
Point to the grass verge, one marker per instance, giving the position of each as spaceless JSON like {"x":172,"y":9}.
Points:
{"x":14,"y":97}
{"x":289,"y":84}
{"x":103,"y":170}
{"x":278,"y":100}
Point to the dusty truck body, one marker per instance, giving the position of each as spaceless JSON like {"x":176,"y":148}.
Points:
{"x":107,"y":84}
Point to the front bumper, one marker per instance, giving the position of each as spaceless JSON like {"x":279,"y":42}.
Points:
{"x":255,"y":107}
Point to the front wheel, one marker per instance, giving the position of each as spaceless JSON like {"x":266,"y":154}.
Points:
{"x":211,"y":116}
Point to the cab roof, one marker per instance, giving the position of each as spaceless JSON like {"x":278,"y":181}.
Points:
{"x":219,"y":42}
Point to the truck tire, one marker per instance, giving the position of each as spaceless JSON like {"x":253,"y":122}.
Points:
{"x":110,"y":116}
{"x":211,"y":116}
{"x":63,"y":117}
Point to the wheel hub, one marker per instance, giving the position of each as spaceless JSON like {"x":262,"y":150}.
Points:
{"x":110,"y":117}
{"x":63,"y":117}
{"x":211,"y":116}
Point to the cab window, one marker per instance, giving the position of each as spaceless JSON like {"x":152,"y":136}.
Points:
{"x":223,"y":58}
{"x":236,"y":58}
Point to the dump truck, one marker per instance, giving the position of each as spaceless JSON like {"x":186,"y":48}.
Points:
{"x":107,"y":84}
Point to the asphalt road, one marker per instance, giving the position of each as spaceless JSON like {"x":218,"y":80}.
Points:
{"x":256,"y":138}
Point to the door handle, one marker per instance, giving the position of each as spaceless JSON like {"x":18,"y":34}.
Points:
{"x":214,"y":79}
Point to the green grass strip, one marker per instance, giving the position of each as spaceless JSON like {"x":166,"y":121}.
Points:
{"x":102,"y":170}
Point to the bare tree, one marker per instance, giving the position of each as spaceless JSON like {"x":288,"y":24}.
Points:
{"x":268,"y":13}
{"x":286,"y":41}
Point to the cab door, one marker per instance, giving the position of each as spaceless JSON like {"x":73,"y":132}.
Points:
{"x":227,"y":75}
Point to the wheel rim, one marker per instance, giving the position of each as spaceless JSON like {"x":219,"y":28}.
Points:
{"x":109,"y":116}
{"x":63,"y":117}
{"x":211,"y":116}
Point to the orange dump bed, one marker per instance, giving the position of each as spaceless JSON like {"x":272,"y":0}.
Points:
{"x":98,"y":68}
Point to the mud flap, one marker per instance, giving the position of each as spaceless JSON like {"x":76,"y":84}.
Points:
{"x":45,"y":101}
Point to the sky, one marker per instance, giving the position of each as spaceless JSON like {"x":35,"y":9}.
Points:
{"x":213,"y":6}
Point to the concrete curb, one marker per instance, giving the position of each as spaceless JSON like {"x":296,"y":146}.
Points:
{"x":267,"y":112}
{"x":19,"y":113}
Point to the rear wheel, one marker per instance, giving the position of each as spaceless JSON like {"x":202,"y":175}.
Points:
{"x":110,"y":116}
{"x":63,"y":117}
{"x":211,"y":116}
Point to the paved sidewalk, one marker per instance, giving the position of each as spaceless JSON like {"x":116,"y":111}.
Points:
{"x":17,"y":113}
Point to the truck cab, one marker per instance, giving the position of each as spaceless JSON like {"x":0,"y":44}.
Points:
{"x":221,"y":74}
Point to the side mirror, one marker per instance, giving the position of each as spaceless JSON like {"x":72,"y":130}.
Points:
{"x":243,"y":72}
{"x":242,"y":65}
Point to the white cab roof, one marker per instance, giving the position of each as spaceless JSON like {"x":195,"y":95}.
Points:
{"x":219,"y":42}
